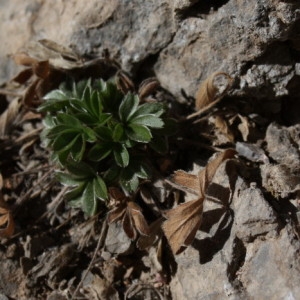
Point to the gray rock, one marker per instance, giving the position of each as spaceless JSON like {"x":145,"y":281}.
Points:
{"x":117,"y":242}
{"x":281,"y":146}
{"x":253,"y":215}
{"x":245,"y":257}
{"x":231,"y":39}
{"x":271,"y":267}
{"x":280,"y":180}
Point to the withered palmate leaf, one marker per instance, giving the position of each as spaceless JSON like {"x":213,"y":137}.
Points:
{"x":187,"y":181}
{"x":7,"y":225}
{"x":129,"y":213}
{"x":146,"y":241}
{"x":138,"y":218}
{"x":183,"y":221}
{"x":182,"y":224}
{"x":23,"y":59}
{"x":210,"y":93}
{"x":117,"y":213}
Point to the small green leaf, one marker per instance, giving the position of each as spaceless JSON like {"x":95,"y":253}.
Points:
{"x":96,"y":103}
{"x":86,"y":118}
{"x":53,"y":105}
{"x":131,"y":185}
{"x":64,"y":141}
{"x":78,"y":105}
{"x":128,"y":107}
{"x":121,"y":156}
{"x":69,"y":120}
{"x":66,"y":179}
{"x":143,"y":170}
{"x":155,"y":108}
{"x":148,"y":120}
{"x":61,"y":129}
{"x":49,"y":121}
{"x":79,"y":88}
{"x":104,"y":118}
{"x":139,"y":133}
{"x":100,"y":189}
{"x":110,"y":97}
{"x":60,"y":157}
{"x":112,"y":174}
{"x":89,"y":200}
{"x":56,"y":95}
{"x":100,"y":151}
{"x":104,"y":133}
{"x":89,"y":134}
{"x":76,"y":193}
{"x":78,"y":149}
{"x":87,"y":92}
{"x":119,"y":133}
{"x":80,"y":170}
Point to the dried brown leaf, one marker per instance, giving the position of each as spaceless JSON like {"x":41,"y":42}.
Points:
{"x":116,"y":194}
{"x":124,"y":83}
{"x":155,"y":232}
{"x":23,"y":59}
{"x":30,"y":98}
{"x":23,"y":76}
{"x":187,"y":181}
{"x":9,"y":117}
{"x":223,"y":127}
{"x":64,"y":51}
{"x":7,"y":225}
{"x":147,"y":87}
{"x":210,"y":92}
{"x":182,"y":224}
{"x":128,"y":226}
{"x":183,"y":221}
{"x":138,"y":218}
{"x":41,"y":69}
{"x":129,"y":213}
{"x":116,"y":214}
{"x":213,"y":165}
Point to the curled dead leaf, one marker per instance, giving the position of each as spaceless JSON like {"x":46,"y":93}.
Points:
{"x":182,"y":224}
{"x":211,"y":91}
{"x":129,"y":213}
{"x":155,"y":232}
{"x":7,"y":225}
{"x":23,"y":59}
{"x":64,"y":51}
{"x":147,"y":87}
{"x":183,"y":221}
{"x":124,"y":83}
{"x":222,"y":127}
{"x":10,"y":116}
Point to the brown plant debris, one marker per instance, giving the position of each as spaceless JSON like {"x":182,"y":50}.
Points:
{"x":211,"y":91}
{"x":183,"y":221}
{"x":7,"y":225}
{"x":129,"y":213}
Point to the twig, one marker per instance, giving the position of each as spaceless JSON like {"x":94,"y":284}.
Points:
{"x":137,"y":287}
{"x":99,"y":244}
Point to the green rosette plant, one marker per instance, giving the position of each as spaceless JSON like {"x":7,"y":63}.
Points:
{"x":100,"y":137}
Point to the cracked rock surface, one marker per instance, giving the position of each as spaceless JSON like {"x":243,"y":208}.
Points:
{"x":248,"y":247}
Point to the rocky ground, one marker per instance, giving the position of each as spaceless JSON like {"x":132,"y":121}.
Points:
{"x":248,"y":244}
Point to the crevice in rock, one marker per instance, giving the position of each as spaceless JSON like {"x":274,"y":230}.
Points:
{"x":201,"y":9}
{"x":209,"y":247}
{"x":238,"y":260}
{"x":145,"y":69}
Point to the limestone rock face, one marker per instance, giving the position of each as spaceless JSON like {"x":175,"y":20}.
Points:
{"x":240,"y":256}
{"x":245,"y":248}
